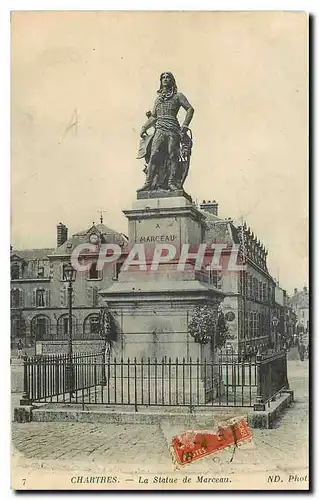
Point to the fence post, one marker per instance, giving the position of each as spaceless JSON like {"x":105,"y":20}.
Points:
{"x":103,"y":377}
{"x":285,"y":368}
{"x":54,"y":367}
{"x":190,"y":386}
{"x":259,"y":405}
{"x":135,"y":388}
{"x":25,"y":400}
{"x":38,"y":367}
{"x":94,"y":371}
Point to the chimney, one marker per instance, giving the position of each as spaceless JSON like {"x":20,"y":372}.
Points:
{"x":209,"y":206}
{"x":61,"y":234}
{"x":295,"y":291}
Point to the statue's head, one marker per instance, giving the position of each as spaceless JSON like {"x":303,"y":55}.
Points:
{"x":167,"y":79}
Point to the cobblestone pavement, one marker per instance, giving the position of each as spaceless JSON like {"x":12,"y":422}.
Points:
{"x":145,"y":448}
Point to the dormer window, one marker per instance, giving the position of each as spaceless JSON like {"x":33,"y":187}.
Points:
{"x":40,"y":272}
{"x":94,"y":273}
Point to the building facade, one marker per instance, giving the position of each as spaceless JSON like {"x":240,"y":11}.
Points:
{"x":300,"y":305}
{"x":39,"y":290}
{"x":250,"y":293}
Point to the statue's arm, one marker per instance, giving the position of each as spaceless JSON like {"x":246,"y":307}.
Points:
{"x":188,"y":108}
{"x":150,"y":122}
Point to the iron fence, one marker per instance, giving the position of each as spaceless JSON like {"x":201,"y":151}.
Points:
{"x":88,"y":379}
{"x":272,"y":376}
{"x":51,"y":378}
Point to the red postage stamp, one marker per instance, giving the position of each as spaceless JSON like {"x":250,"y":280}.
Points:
{"x":192,"y":445}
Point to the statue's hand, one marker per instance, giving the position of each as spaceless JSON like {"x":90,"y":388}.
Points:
{"x":143,"y":132}
{"x":183,"y":130}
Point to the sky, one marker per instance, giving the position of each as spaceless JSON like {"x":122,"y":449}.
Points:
{"x":246,"y":75}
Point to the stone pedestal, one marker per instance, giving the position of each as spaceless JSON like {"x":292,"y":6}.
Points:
{"x":153,"y":307}
{"x":167,"y":219}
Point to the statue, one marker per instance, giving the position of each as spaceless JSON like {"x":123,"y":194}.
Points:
{"x":166,"y":152}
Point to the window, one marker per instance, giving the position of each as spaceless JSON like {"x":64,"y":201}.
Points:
{"x":39,"y":298}
{"x":40,"y":326}
{"x":246,"y":278}
{"x":250,"y":286}
{"x":241,"y":325}
{"x":257,"y":289}
{"x":216,"y":279}
{"x":15,"y":271}
{"x":63,"y":325}
{"x":40,"y":272}
{"x":93,"y":272}
{"x":18,"y":328}
{"x":258,"y":329}
{"x":246,"y":332}
{"x":251,"y":325}
{"x":16,"y":296}
{"x":92,"y":325}
{"x":265,"y":292}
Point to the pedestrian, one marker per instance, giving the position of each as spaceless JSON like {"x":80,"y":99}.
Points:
{"x":307,"y":352}
{"x":301,"y":350}
{"x":20,"y":345}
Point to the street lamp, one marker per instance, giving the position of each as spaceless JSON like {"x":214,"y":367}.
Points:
{"x":69,"y":274}
{"x":275,"y":323}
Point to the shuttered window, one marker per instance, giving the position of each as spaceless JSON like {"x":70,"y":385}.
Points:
{"x":40,"y":297}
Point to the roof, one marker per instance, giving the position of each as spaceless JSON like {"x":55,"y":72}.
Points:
{"x":107,"y":235}
{"x":220,"y":231}
{"x":32,"y":254}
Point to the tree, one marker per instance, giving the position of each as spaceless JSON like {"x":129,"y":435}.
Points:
{"x":208,"y":325}
{"x":222,"y":331}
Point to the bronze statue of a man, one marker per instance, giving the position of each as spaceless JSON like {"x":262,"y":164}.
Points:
{"x":165,"y":147}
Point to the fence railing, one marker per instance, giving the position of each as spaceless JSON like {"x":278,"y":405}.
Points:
{"x":56,"y":377}
{"x":87,"y":379}
{"x":272,"y":376}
